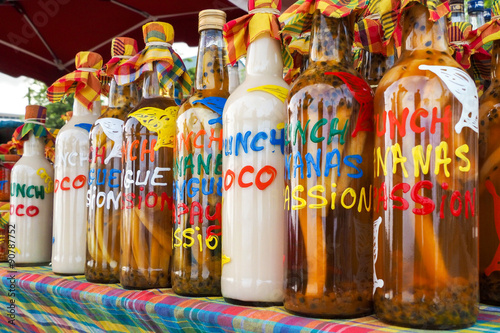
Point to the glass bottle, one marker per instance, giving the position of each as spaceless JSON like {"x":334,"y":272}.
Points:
{"x":425,"y":211}
{"x":105,"y":174}
{"x":147,"y":189}
{"x":253,"y":163}
{"x":489,"y":183}
{"x":196,"y":265}
{"x":457,"y":11}
{"x":329,"y":174}
{"x":475,"y":8}
{"x":31,"y":197}
{"x":374,"y":66}
{"x":6,"y":164}
{"x":234,"y":77}
{"x":71,"y":168}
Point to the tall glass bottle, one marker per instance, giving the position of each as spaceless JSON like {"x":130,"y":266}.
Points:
{"x":71,"y":168}
{"x":196,"y":266}
{"x":253,"y":164}
{"x":489,"y":185}
{"x":147,"y":189}
{"x":329,"y":174}
{"x":31,"y":193}
{"x":425,"y":199}
{"x":104,"y":194}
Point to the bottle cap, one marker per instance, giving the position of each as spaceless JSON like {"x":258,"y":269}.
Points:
{"x":211,"y":19}
{"x":456,"y":2}
{"x":36,"y":112}
{"x":475,"y":6}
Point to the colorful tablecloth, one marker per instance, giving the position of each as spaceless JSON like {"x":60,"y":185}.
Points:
{"x":45,"y":302}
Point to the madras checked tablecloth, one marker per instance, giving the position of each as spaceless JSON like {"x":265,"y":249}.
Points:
{"x":45,"y":302}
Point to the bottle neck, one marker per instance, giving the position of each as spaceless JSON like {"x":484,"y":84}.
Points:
{"x":122,"y":96}
{"x":264,"y":57}
{"x":81,"y":110}
{"x":495,"y":60}
{"x":211,"y":74}
{"x":34,"y":146}
{"x":151,"y":87}
{"x":331,"y":39}
{"x":476,"y":19}
{"x":420,"y":33}
{"x":457,"y":12}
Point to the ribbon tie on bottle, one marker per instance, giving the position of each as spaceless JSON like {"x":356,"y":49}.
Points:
{"x":369,"y":35}
{"x":261,"y":20}
{"x":158,"y":37}
{"x":84,"y":81}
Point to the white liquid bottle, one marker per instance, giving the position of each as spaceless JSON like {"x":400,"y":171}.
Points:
{"x":32,"y":194}
{"x":71,"y":169}
{"x":253,"y":217}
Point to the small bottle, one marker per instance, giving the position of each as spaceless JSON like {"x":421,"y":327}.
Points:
{"x":148,"y":162}
{"x":234,"y":77}
{"x":105,"y":173}
{"x":328,"y":177}
{"x":489,"y":186}
{"x":374,"y":66}
{"x":7,"y":162}
{"x":475,"y":8}
{"x":31,"y":193}
{"x":457,"y":11}
{"x":71,"y":166}
{"x":253,"y":167}
{"x":425,"y":197}
{"x":196,"y":265}
{"x":487,"y":15}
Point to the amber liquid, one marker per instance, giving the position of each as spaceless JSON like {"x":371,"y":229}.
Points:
{"x":489,"y":179}
{"x":105,"y":214}
{"x":425,"y":196}
{"x":329,"y":270}
{"x":147,"y":208}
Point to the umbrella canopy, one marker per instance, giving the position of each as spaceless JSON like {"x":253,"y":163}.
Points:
{"x":40,"y":38}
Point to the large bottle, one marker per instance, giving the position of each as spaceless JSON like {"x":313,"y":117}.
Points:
{"x":329,"y":172}
{"x":425,"y":197}
{"x":489,"y":185}
{"x":148,"y":156}
{"x":253,"y":219}
{"x":31,"y":193}
{"x":71,"y":166}
{"x":196,"y":266}
{"x":104,"y":195}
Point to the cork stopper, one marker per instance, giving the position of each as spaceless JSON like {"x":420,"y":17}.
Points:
{"x":211,"y":19}
{"x":158,"y":32}
{"x":36,"y":112}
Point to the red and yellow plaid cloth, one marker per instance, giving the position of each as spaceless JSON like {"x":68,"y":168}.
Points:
{"x":122,"y":49}
{"x":83,"y":82}
{"x":261,"y":20}
{"x":297,"y":19}
{"x":392,"y":10}
{"x":158,"y":37}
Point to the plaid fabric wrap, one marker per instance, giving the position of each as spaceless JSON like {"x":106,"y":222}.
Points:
{"x":37,"y":114}
{"x":368,"y":34}
{"x":86,"y":85}
{"x":170,"y":68}
{"x":244,"y":30}
{"x":297,"y":19}
{"x":391,"y":12}
{"x":120,"y":47}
